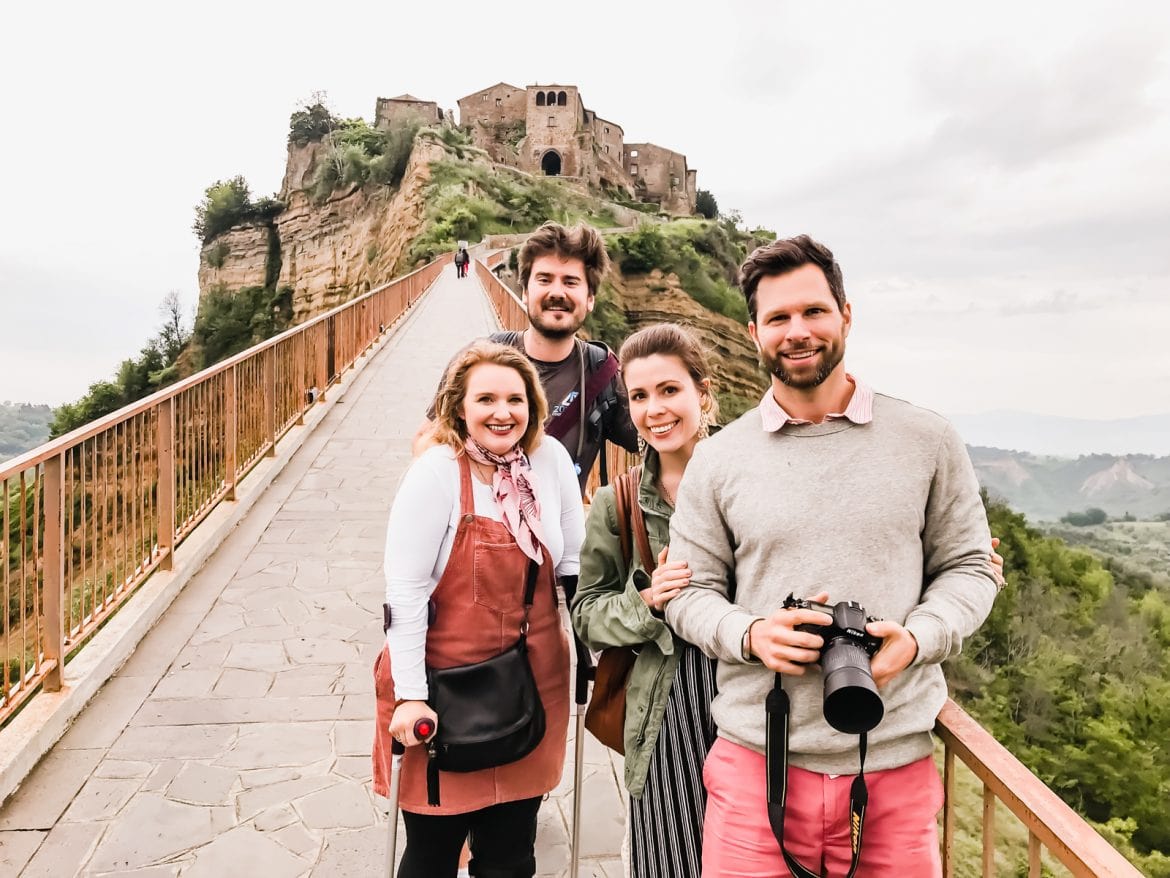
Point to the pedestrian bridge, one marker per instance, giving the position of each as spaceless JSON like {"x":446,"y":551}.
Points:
{"x":193,"y":601}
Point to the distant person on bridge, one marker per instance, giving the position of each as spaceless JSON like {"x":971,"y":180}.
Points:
{"x":561,"y":271}
{"x":462,"y":258}
{"x":829,"y":492}
{"x":491,"y":500}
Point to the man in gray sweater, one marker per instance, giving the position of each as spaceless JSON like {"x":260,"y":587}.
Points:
{"x":834,"y":493}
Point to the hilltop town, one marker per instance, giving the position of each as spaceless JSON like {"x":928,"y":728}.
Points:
{"x":547,"y":129}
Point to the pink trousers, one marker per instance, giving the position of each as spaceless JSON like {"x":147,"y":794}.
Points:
{"x":900,"y":835}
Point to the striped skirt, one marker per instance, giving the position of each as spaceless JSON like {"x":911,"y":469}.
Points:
{"x":666,"y":824}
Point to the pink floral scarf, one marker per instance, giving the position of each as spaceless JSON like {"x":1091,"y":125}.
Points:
{"x":515,"y":494}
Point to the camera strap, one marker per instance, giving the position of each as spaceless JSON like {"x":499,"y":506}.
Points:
{"x":776,"y":756}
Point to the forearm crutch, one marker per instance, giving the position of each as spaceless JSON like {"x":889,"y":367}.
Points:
{"x":584,"y":675}
{"x":423,"y":729}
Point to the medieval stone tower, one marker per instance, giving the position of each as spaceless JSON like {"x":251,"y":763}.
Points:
{"x":547,"y":129}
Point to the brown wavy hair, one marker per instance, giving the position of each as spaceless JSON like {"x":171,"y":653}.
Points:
{"x":580,"y":242}
{"x":672,"y":340}
{"x":450,"y":427}
{"x":785,"y":255}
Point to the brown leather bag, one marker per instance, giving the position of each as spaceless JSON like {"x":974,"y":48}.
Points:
{"x":605,"y":717}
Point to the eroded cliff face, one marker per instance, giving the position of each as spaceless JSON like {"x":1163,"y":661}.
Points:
{"x":330,"y":252}
{"x":659,"y":298}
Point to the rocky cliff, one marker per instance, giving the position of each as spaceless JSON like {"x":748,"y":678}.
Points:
{"x":325,"y":253}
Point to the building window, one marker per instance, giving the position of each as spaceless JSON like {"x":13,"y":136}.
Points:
{"x":540,"y":99}
{"x":607,"y":129}
{"x":499,"y":102}
{"x":673,"y":182}
{"x":551,"y":98}
{"x":633,"y":153}
{"x":633,"y":170}
{"x":552,"y":121}
{"x":562,"y":99}
{"x":483,"y":99}
{"x":607,"y":149}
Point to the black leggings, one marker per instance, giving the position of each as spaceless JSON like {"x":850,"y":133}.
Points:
{"x":503,"y":842}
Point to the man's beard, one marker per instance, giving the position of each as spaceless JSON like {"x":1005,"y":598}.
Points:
{"x":831,"y":357}
{"x":553,"y":332}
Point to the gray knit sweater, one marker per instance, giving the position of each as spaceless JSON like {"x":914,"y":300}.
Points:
{"x":887,"y":514}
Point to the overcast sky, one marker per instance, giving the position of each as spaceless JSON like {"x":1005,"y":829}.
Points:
{"x":994,"y":178}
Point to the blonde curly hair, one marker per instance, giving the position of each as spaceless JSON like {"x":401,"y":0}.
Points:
{"x":451,"y":429}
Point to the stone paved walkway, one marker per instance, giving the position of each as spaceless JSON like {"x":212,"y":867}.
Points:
{"x":236,"y":740}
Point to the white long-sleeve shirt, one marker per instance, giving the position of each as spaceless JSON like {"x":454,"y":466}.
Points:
{"x":421,"y":531}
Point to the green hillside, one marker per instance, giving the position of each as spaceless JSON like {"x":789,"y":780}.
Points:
{"x":22,"y":427}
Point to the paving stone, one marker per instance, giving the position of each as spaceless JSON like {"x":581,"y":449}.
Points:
{"x":240,"y":683}
{"x":264,"y":618}
{"x":206,"y":655}
{"x":260,"y":799}
{"x":244,"y":851}
{"x":63,"y":852}
{"x":188,"y":683}
{"x":361,"y":707}
{"x":357,"y":678}
{"x":263,"y":777}
{"x":353,"y":738}
{"x":360,"y":768}
{"x":169,"y":870}
{"x":257,"y":656}
{"x":17,"y":848}
{"x":263,"y":745}
{"x":316,"y":680}
{"x":199,"y":784}
{"x":173,"y":742}
{"x":100,"y":799}
{"x":275,"y":818}
{"x":301,"y":842}
{"x":162,"y":776}
{"x":48,"y":790}
{"x":316,"y":651}
{"x":120,"y":768}
{"x":344,"y":806}
{"x":354,"y":853}
{"x":107,"y":714}
{"x":153,"y":829}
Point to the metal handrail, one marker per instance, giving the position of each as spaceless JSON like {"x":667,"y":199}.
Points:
{"x":87,"y":517}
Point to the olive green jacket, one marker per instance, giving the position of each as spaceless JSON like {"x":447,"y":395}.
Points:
{"x":608,"y":611}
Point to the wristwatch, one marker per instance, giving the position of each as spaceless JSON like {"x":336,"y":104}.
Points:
{"x":745,"y":645}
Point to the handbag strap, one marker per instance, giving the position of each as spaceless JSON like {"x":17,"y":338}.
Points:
{"x":630,"y":519}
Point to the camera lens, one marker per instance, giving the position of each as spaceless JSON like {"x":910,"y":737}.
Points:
{"x":852,"y":703}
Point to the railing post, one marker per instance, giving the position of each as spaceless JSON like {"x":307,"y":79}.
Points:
{"x":988,"y":832}
{"x":948,"y":839}
{"x":165,"y":447}
{"x":300,"y":389}
{"x":52,"y":599}
{"x":322,"y":360}
{"x":231,"y":429}
{"x":270,"y":400}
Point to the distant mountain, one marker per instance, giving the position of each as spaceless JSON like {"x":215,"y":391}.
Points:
{"x":1045,"y":488}
{"x":22,"y":427}
{"x":1066,"y":437}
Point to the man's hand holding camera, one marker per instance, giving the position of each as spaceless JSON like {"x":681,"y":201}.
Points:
{"x":776,"y":642}
{"x":898,"y":650}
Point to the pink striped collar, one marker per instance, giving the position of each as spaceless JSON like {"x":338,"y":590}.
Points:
{"x":859,"y":410}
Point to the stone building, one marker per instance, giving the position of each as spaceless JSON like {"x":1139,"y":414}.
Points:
{"x":390,"y":111}
{"x":547,"y":129}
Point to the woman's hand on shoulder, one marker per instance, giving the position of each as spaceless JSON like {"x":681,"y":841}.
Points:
{"x":668,"y":579}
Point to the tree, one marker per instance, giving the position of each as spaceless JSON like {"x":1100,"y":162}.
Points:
{"x":174,"y":332}
{"x":705,"y":204}
{"x":225,"y":203}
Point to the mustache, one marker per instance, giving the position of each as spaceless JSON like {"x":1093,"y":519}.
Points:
{"x":557,"y":302}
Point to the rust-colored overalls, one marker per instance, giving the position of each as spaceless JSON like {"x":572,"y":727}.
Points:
{"x":479,"y":603}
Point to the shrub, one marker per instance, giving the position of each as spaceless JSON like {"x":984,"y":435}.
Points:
{"x":217,"y":255}
{"x":228,"y":322}
{"x":311,"y":123}
{"x":228,"y":203}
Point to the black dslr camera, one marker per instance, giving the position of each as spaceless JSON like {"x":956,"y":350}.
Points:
{"x":851,"y":701}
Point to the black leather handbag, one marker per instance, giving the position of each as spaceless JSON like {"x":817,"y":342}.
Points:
{"x":489,"y":712}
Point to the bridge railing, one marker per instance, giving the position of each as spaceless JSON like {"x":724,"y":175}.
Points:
{"x":1051,"y":824}
{"x":87,"y":517}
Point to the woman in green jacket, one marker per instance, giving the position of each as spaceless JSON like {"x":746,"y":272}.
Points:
{"x":668,"y":726}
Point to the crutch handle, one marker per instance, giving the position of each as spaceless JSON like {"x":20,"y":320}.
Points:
{"x":424,"y":728}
